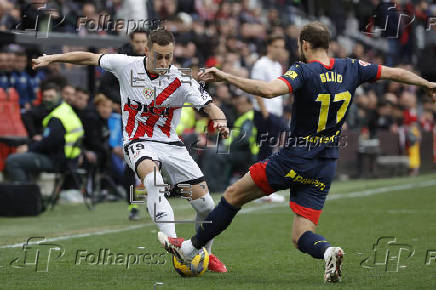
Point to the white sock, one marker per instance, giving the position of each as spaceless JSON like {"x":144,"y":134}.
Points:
{"x":203,"y":206}
{"x":164,"y":211}
{"x":188,"y":250}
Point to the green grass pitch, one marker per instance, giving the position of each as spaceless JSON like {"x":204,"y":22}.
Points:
{"x":256,"y":248}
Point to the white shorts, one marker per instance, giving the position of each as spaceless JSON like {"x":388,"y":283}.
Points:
{"x":174,"y":158}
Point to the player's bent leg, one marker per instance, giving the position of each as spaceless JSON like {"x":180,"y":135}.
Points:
{"x":299,"y":227}
{"x":236,"y":195}
{"x":243,"y":191}
{"x":307,"y":241}
{"x":158,"y":206}
{"x":203,"y":204}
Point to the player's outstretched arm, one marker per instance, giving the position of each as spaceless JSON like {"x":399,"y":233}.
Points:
{"x":264,"y":89}
{"x":408,"y":77}
{"x":75,"y":57}
{"x":218,"y":118}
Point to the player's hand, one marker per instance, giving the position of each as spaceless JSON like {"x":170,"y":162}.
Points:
{"x":211,"y":75}
{"x":41,"y":61}
{"x":431,"y":91}
{"x":222,"y":128}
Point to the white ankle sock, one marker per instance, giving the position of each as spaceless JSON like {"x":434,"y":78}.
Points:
{"x":188,"y":250}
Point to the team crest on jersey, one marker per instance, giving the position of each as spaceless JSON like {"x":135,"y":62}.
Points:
{"x":363,"y":63}
{"x":149,"y":93}
{"x":292,"y":74}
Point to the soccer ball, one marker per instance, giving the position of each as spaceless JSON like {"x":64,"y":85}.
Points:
{"x":196,"y":268}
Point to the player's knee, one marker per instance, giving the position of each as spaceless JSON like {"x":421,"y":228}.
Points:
{"x":199,"y":190}
{"x":234,"y":196}
{"x":146,"y":167}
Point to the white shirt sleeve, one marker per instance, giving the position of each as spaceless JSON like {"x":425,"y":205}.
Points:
{"x":114,"y":62}
{"x":196,"y":94}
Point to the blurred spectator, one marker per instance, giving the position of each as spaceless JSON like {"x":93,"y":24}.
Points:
{"x":243,"y":147}
{"x":69,"y":94}
{"x":96,"y":142}
{"x":7,"y":63}
{"x":116,"y":143}
{"x":268,"y":112}
{"x":413,"y":132}
{"x":4,"y":76}
{"x":80,"y":101}
{"x":230,"y":35}
{"x":32,"y":119}
{"x":21,"y":80}
{"x":225,"y":103}
{"x":62,"y":131}
{"x":9,"y":15}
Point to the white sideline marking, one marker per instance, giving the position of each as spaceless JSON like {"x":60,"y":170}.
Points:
{"x":66,"y":237}
{"x":367,"y":192}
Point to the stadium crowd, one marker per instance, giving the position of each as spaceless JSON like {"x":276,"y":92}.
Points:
{"x":235,"y":36}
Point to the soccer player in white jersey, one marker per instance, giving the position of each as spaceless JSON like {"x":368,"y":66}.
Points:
{"x":152,"y":93}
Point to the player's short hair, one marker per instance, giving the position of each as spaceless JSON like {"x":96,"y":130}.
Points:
{"x":162,"y":37}
{"x":317,"y":34}
{"x":51,"y":86}
{"x":270,"y":39}
{"x":100,"y":98}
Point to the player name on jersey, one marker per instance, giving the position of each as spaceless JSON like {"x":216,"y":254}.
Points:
{"x":331,"y":76}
